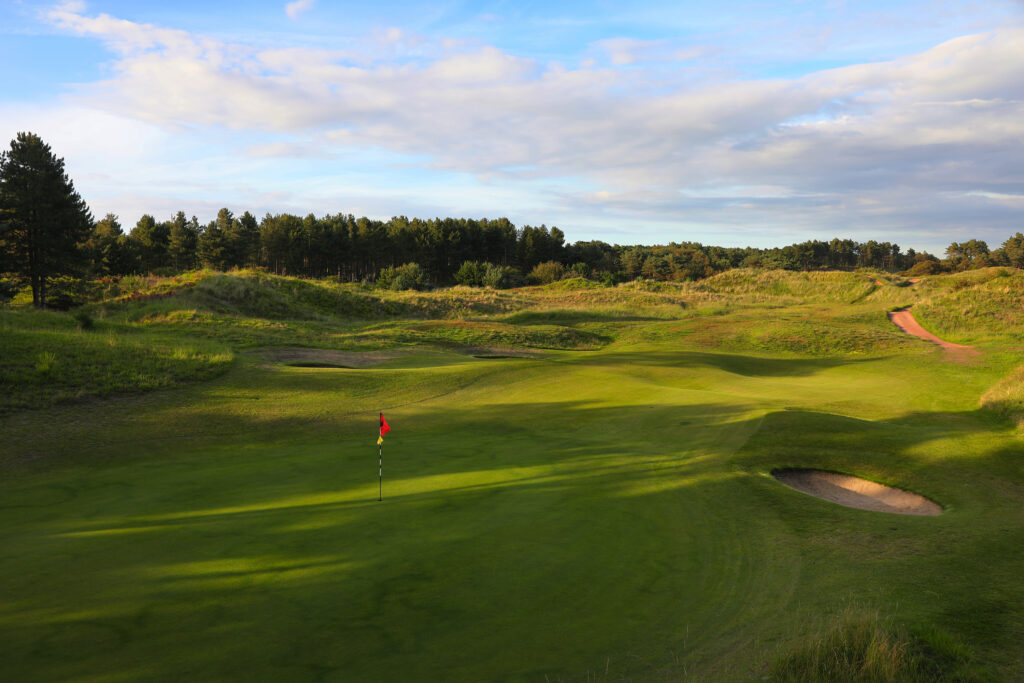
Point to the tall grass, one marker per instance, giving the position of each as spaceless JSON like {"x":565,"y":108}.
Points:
{"x":1006,"y":397}
{"x":974,"y":306}
{"x":864,"y":647}
{"x":48,"y":359}
{"x":784,"y":286}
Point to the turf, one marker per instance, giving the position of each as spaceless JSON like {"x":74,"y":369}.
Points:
{"x":598,"y":509}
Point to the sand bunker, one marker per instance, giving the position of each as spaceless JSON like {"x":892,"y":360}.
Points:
{"x":856,"y":493}
{"x":904,"y":320}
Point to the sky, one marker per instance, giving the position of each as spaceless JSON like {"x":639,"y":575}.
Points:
{"x":729,"y":123}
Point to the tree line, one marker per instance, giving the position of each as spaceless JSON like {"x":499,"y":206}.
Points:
{"x":359,"y":249}
{"x":46,"y":230}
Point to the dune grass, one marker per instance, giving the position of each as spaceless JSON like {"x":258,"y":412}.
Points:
{"x":48,"y":358}
{"x":599,"y":510}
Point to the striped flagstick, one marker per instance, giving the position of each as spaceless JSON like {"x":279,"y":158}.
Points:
{"x":384,"y":429}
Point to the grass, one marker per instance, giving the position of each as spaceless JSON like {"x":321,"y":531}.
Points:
{"x":49,"y":358}
{"x":860,"y":647}
{"x":601,"y":509}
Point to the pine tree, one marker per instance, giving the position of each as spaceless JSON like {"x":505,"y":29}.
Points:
{"x":46,"y":222}
{"x":181,"y":246}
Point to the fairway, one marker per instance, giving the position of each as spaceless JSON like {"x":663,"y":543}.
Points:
{"x":595,"y":505}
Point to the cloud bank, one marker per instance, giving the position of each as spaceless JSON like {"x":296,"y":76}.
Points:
{"x":928,"y":142}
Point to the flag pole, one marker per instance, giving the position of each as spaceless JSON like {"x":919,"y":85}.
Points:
{"x":380,"y":464}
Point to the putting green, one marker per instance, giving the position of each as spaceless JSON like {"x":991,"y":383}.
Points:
{"x":581,"y":514}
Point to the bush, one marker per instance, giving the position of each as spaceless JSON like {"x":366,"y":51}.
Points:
{"x":407,"y":276}
{"x":580,"y":269}
{"x":472,"y":273}
{"x":502,"y":277}
{"x":546,"y":273}
{"x":85,"y":321}
{"x":64,"y":293}
{"x":924,"y":268}
{"x":9,"y":286}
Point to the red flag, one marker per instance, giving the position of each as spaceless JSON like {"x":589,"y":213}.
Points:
{"x":384,"y":427}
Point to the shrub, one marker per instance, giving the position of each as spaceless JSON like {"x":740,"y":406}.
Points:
{"x":580,"y":269}
{"x":546,"y":273}
{"x":64,"y":293}
{"x":9,"y":286}
{"x":407,"y":276}
{"x":472,"y":273}
{"x":924,"y":268}
{"x":503,"y":277}
{"x":85,"y":321}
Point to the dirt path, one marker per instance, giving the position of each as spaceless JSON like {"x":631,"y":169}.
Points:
{"x":904,"y":320}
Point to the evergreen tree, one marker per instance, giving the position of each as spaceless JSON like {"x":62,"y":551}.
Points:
{"x":212,"y":247}
{"x":181,"y":241}
{"x":46,"y":223}
{"x":104,"y":252}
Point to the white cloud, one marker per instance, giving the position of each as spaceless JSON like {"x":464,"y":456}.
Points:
{"x":947,"y":120}
{"x":294,"y":9}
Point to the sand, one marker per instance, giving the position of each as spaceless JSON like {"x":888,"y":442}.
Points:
{"x":856,"y":493}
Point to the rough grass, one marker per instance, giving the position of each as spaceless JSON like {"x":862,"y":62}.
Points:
{"x":786,"y":287}
{"x":47,"y":358}
{"x":1006,"y":397}
{"x":864,"y":648}
{"x":975,"y":306}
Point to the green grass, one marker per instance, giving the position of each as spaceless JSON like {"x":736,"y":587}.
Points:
{"x":599,"y":510}
{"x":864,"y":647}
{"x":48,"y":358}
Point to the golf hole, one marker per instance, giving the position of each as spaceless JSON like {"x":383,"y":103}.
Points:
{"x":855,"y":492}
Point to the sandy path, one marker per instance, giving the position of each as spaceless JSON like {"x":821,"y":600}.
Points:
{"x":904,"y":320}
{"x":857,"y":493}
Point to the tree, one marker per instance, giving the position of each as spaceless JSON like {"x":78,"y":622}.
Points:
{"x":212,"y":247}
{"x":1013,"y":250}
{"x":46,"y":222}
{"x":152,"y":239}
{"x":181,"y":241}
{"x":106,"y":252}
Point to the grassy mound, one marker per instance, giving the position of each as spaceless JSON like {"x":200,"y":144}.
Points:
{"x":788,"y":287}
{"x":973,"y":307}
{"x":47,"y":358}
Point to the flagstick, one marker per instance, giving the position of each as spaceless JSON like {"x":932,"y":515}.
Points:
{"x":380,"y":472}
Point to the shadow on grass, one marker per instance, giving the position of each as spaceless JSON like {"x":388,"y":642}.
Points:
{"x":280,"y":563}
{"x":515,"y":541}
{"x":574,"y":317}
{"x":735,"y":363}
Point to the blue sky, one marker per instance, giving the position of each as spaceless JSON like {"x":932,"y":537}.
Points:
{"x":745,"y":123}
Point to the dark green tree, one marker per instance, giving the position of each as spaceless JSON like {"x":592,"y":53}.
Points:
{"x":212,"y":247}
{"x":46,"y":223}
{"x":111,"y":252}
{"x":1013,"y":250}
{"x":181,"y":241}
{"x":152,"y":239}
